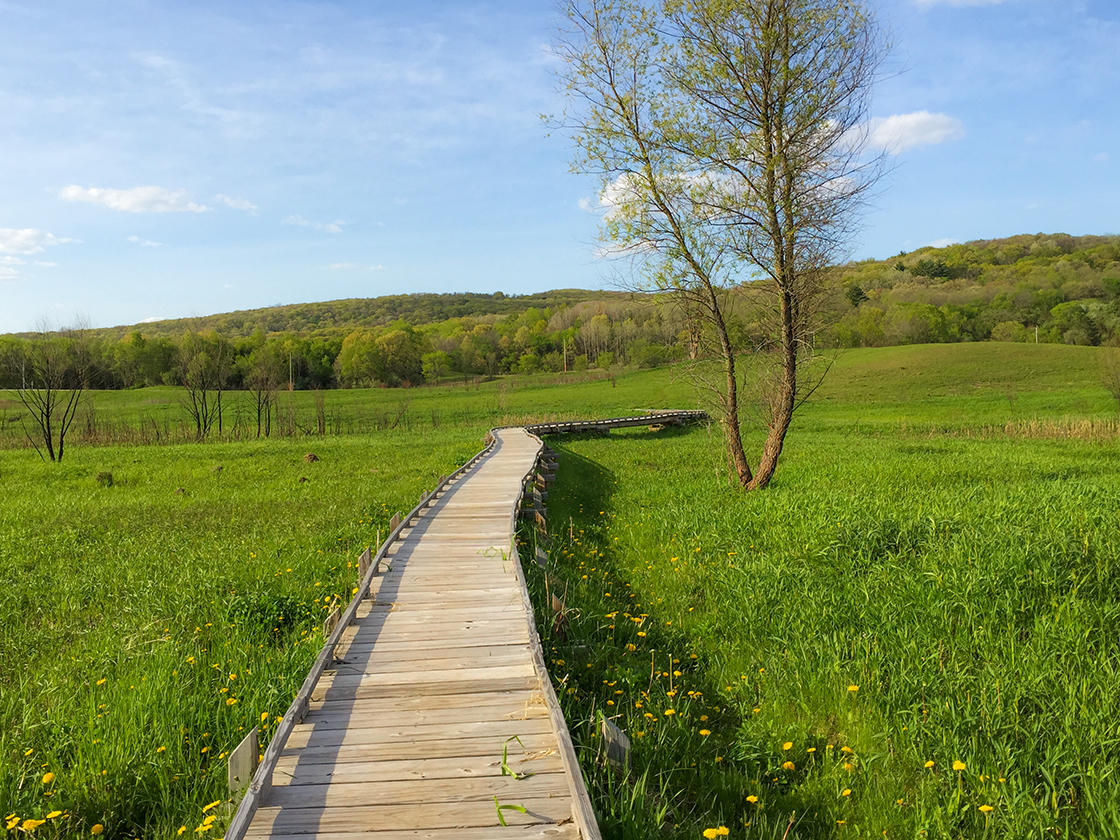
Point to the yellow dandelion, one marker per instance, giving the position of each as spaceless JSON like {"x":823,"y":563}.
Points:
{"x":182,"y":828}
{"x":213,"y":804}
{"x":846,"y":792}
{"x":788,"y":745}
{"x":230,"y":701}
{"x":853,"y":688}
{"x":845,"y":749}
{"x":101,"y":681}
{"x":959,"y":766}
{"x":31,"y":825}
{"x":985,"y":808}
{"x":752,"y":799}
{"x":12,"y":822}
{"x":789,"y":765}
{"x":705,"y":732}
{"x":811,"y":750}
{"x":848,"y":766}
{"x":54,"y":814}
{"x":929,"y":763}
{"x":97,"y":829}
{"x":48,"y":777}
{"x":668,"y":713}
{"x":161,"y":749}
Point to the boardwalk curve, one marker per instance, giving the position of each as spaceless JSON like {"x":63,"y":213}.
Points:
{"x":430,"y":713}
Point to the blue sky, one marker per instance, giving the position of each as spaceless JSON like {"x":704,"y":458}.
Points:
{"x":170,"y":159}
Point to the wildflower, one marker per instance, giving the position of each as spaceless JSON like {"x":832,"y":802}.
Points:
{"x":12,"y":822}
{"x":101,"y":681}
{"x":789,"y":765}
{"x":161,"y":749}
{"x":703,"y":717}
{"x":264,"y":716}
{"x":848,"y":766}
{"x":48,"y":777}
{"x":846,"y":792}
{"x":985,"y":809}
{"x":54,"y":814}
{"x":230,"y":701}
{"x":959,"y":766}
{"x":668,"y":713}
{"x":845,"y":749}
{"x":705,"y":732}
{"x":787,"y":745}
{"x":182,"y":828}
{"x":712,"y":833}
{"x":31,"y":825}
{"x":752,"y":799}
{"x":929,"y":764}
{"x":811,"y":750}
{"x":97,"y":829}
{"x":853,"y":688}
{"x":29,"y":752}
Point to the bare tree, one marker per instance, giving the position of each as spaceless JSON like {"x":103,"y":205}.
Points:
{"x":727,"y":137}
{"x":55,"y":368}
{"x":204,"y":367}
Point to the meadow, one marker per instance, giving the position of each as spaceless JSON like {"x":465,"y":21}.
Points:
{"x":931,"y":578}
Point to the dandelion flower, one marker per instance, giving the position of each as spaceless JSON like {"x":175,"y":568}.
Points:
{"x":845,"y":749}
{"x":31,"y":825}
{"x":101,"y":681}
{"x":752,"y":799}
{"x":789,"y":765}
{"x":846,"y":792}
{"x":668,"y":713}
{"x":54,"y":814}
{"x":230,"y":701}
{"x":705,"y":732}
{"x":848,"y":766}
{"x":182,"y":828}
{"x":161,"y":749}
{"x":985,"y":808}
{"x":12,"y":822}
{"x":959,"y":766}
{"x":29,"y":752}
{"x":811,"y":750}
{"x":213,"y":804}
{"x":97,"y":829}
{"x":929,"y":763}
{"x":48,"y":777}
{"x":788,"y":745}
{"x":853,"y":688}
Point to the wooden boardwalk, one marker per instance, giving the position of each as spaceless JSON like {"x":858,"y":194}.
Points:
{"x":439,"y":676}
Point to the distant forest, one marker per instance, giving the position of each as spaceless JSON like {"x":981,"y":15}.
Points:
{"x":1050,"y":288}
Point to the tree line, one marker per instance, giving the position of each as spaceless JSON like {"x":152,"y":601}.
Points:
{"x":1050,"y":288}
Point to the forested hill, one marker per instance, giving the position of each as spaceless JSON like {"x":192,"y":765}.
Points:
{"x":1044,"y":287}
{"x":335,"y":316}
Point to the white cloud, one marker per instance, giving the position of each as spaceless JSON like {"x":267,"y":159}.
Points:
{"x":149,"y":199}
{"x":145,"y":243}
{"x":8,"y":274}
{"x":325,"y":227}
{"x":378,"y":267}
{"x":904,"y":131}
{"x":7,"y":259}
{"x":237,"y":203}
{"x":27,"y":240}
{"x":943,"y":243}
{"x":585,"y":205}
{"x":151,"y":320}
{"x":42,"y":264}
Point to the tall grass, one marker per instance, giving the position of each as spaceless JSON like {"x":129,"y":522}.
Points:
{"x":889,"y":609}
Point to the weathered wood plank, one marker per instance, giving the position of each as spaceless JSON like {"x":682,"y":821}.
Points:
{"x":421,"y":791}
{"x":291,"y":770}
{"x":540,"y":831}
{"x":370,"y":753}
{"x":364,"y":733}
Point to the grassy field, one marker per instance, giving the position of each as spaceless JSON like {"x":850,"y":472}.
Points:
{"x":941,"y":536}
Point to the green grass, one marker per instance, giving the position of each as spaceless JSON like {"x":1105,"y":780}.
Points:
{"x":969,"y":588}
{"x":146,"y":626}
{"x":963,"y":577}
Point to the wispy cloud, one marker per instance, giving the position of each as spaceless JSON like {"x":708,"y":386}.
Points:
{"x":325,"y":227}
{"x":144,"y":243}
{"x":897,"y":133}
{"x":27,"y":240}
{"x":237,"y":203}
{"x":943,"y":243}
{"x":149,"y":199}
